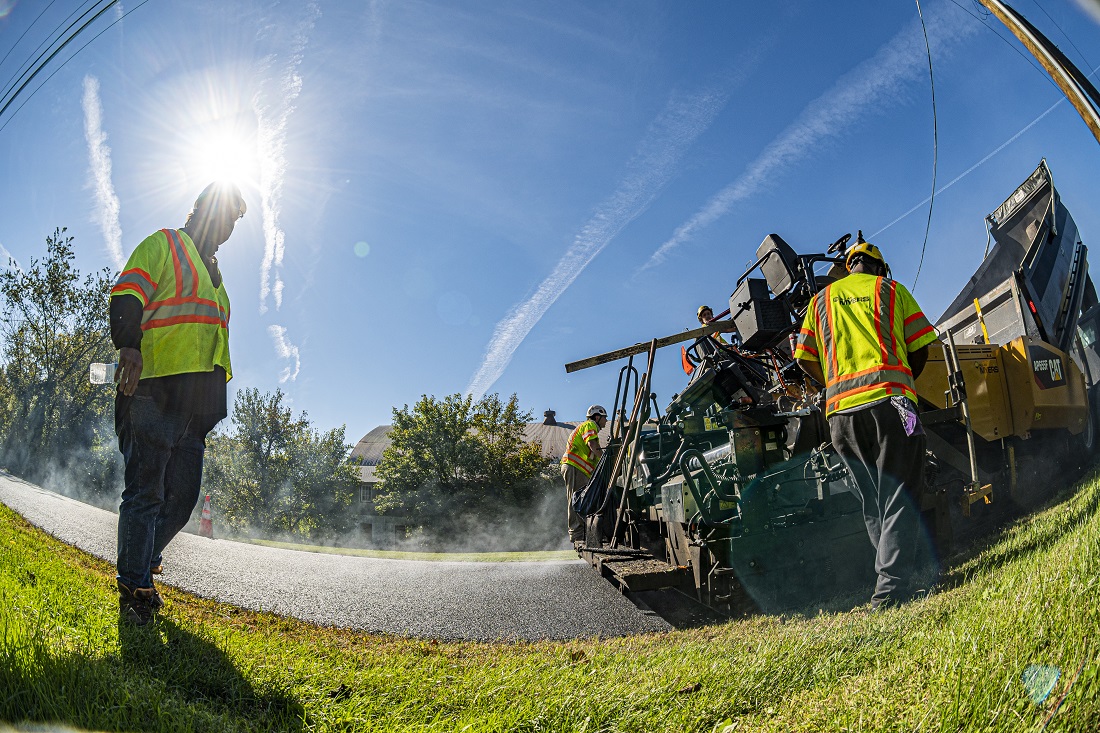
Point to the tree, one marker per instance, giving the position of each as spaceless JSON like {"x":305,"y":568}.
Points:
{"x":54,"y":324}
{"x":453,"y":463}
{"x":274,"y":473}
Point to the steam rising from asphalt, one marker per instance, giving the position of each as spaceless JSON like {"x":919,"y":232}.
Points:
{"x":99,"y":158}
{"x":683,"y":119}
{"x":540,"y":528}
{"x":273,"y":107}
{"x":875,"y":84}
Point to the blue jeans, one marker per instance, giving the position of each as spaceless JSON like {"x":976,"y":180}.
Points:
{"x":163,"y":454}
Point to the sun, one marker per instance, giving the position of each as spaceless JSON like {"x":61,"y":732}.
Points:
{"x":226,"y":154}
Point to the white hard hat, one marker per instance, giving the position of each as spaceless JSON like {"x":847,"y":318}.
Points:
{"x":595,"y":410}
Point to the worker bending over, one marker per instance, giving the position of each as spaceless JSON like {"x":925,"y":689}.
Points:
{"x":582,"y":453}
{"x":866,"y":339}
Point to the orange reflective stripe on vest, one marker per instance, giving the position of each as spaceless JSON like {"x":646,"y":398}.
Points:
{"x":185,"y":319}
{"x":577,"y":452}
{"x":871,"y":366}
{"x":185,"y":307}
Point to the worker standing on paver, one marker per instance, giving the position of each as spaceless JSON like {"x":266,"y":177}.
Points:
{"x":169,"y":316}
{"x":582,"y":453}
{"x":705,"y":316}
{"x":865,"y":338}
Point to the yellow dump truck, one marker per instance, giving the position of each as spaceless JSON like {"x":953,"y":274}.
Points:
{"x":1018,"y":355}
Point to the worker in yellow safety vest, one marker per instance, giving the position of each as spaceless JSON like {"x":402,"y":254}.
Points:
{"x":866,"y":340}
{"x":582,"y":453}
{"x":169,"y":318}
{"x":706,"y":315}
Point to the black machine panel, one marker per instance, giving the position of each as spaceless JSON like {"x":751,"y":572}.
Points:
{"x":760,"y":320}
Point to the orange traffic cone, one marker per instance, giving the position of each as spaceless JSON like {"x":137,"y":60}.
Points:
{"x":206,"y":523}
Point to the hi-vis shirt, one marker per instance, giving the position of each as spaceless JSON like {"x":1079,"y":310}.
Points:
{"x":861,"y":329}
{"x":185,"y":319}
{"x":577,"y":451}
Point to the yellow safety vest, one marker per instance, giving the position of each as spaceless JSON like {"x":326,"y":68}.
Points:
{"x":577,"y":452}
{"x":185,"y":321}
{"x":861,"y":329}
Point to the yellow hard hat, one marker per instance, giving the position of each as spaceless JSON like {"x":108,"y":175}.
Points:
{"x":863,"y":248}
{"x":699,"y":313}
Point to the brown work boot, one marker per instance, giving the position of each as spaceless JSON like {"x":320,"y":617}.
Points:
{"x":137,"y":606}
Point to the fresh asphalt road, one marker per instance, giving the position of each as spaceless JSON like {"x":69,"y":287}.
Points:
{"x":439,"y":600}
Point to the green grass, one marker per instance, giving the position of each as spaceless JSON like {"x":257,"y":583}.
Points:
{"x":535,"y":556}
{"x":951,"y":662}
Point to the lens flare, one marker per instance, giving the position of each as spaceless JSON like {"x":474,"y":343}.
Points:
{"x":1039,"y":681}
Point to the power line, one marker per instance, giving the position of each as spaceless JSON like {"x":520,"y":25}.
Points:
{"x":24,"y":33}
{"x":65,"y":43}
{"x":1063,"y":32}
{"x":935,"y":146}
{"x":66,"y":61}
{"x":47,"y":43}
{"x":1009,"y":43}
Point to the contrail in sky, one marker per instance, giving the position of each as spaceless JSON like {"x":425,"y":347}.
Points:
{"x":285,"y":350}
{"x":6,"y":260}
{"x":652,"y":165}
{"x":273,"y":108}
{"x":872,"y":85}
{"x":99,"y":158}
{"x":974,"y":167}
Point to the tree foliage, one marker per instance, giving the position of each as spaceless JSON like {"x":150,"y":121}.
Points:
{"x":54,"y":324}
{"x":454,"y":461}
{"x":275,"y":474}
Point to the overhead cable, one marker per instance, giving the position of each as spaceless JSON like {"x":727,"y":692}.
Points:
{"x":935,"y":146}
{"x":113,"y":23}
{"x":26,"y":30}
{"x":51,"y":39}
{"x":66,"y":42}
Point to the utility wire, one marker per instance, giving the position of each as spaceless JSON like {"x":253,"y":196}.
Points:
{"x":66,"y":61}
{"x":51,"y":57}
{"x":1010,"y":44}
{"x":24,"y":33}
{"x":1066,"y":35}
{"x":935,"y":147}
{"x":51,"y":38}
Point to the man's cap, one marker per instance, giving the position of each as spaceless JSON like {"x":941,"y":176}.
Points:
{"x":699,"y":313}
{"x":223,"y":193}
{"x":596,"y":410}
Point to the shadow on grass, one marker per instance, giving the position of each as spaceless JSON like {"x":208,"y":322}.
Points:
{"x":163,"y":678}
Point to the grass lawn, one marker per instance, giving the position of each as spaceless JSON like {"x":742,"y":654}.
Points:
{"x":537,"y":556}
{"x":952,"y":662}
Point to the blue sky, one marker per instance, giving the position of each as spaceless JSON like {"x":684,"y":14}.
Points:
{"x":453,"y":196}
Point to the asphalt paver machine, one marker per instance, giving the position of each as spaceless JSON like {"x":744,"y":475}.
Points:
{"x":734,"y":494}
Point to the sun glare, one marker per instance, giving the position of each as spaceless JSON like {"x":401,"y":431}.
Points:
{"x":226,"y":155}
